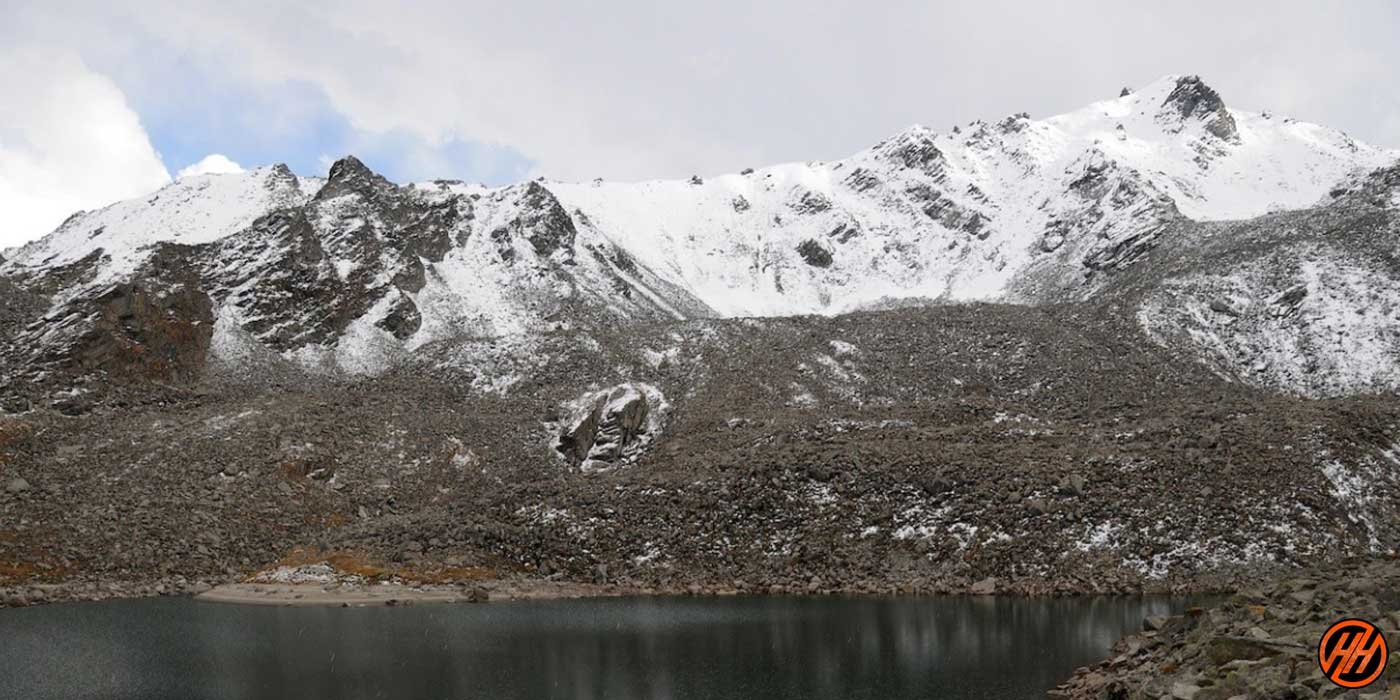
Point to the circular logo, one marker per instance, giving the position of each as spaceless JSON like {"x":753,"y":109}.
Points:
{"x":1352,"y":653}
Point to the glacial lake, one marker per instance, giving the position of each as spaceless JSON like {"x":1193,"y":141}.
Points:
{"x":665,"y":647}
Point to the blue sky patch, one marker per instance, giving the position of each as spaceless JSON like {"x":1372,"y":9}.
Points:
{"x":190,"y":111}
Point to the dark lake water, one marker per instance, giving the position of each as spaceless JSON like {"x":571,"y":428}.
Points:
{"x":746,"y":647}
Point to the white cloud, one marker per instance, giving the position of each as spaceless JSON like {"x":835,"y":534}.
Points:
{"x":68,"y":141}
{"x":211,"y":164}
{"x":638,"y":89}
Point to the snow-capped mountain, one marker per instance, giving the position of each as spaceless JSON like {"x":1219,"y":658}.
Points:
{"x":961,"y":215}
{"x":351,"y":271}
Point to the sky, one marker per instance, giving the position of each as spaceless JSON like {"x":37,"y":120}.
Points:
{"x":102,"y":101}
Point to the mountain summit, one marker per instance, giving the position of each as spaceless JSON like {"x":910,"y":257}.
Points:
{"x":1191,"y":98}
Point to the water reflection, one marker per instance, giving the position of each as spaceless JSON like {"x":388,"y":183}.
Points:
{"x":755,"y":647}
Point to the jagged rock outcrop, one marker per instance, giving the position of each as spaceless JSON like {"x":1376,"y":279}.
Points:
{"x":814,"y":253}
{"x":1191,"y":98}
{"x":543,"y":222}
{"x":611,"y":427}
{"x":915,"y":149}
{"x":155,"y":327}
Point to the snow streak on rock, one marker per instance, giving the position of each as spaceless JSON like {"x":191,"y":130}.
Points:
{"x":1312,"y":321}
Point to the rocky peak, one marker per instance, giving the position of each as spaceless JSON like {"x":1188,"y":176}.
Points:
{"x":543,"y":221}
{"x":349,"y":175}
{"x":1014,"y":123}
{"x":280,"y":175}
{"x":918,"y":215}
{"x":1191,"y":98}
{"x":914,"y":149}
{"x":347,"y":168}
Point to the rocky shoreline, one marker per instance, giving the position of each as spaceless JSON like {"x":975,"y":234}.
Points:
{"x":1261,"y":642}
{"x":260,"y":588}
{"x":470,"y":585}
{"x":362,"y":594}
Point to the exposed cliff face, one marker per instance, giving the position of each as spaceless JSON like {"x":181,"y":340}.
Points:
{"x":157,"y":326}
{"x":142,"y":334}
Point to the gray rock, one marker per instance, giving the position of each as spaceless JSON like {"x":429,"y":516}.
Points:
{"x":1221,"y":306}
{"x":1076,"y":483}
{"x":17,"y":485}
{"x":1185,"y":691}
{"x":814,"y":253}
{"x":611,"y":430}
{"x":986,"y":586}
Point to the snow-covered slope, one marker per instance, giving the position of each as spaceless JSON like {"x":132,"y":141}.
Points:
{"x":346,"y":274}
{"x":1305,"y":301}
{"x":191,"y":210}
{"x":960,"y":215}
{"x":352,"y":272}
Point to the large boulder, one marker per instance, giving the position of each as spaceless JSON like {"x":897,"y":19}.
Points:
{"x":610,"y":427}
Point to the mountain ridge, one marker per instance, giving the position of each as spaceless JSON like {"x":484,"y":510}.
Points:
{"x":1020,"y":211}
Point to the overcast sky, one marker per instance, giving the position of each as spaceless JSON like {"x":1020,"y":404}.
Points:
{"x":100,"y":102}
